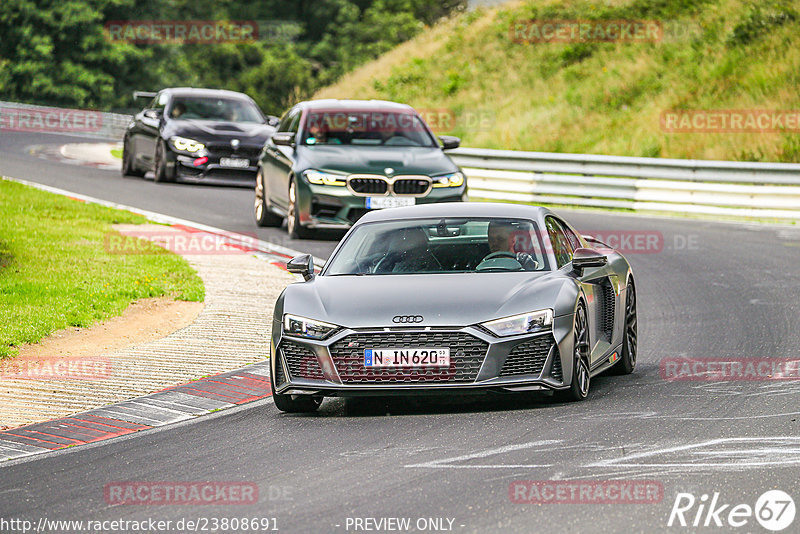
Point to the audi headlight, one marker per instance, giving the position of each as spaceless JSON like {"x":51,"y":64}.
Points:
{"x":455,"y":179}
{"x":191,"y":146}
{"x":294,"y":325}
{"x":324,"y":178}
{"x":524,"y":323}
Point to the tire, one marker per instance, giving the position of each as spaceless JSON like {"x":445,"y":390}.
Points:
{"x":160,"y":174}
{"x":296,"y":404}
{"x":627,"y":362}
{"x":128,"y":168}
{"x":264,"y":217}
{"x":295,"y":229}
{"x":581,"y":378}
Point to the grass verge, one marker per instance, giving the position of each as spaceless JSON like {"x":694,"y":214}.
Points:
{"x":600,"y":97}
{"x":55,"y":271}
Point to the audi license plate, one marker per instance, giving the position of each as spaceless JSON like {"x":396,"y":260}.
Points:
{"x":236,"y":163}
{"x":377,"y":203}
{"x":401,"y":357}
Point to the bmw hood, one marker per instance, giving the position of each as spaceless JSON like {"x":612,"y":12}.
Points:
{"x":442,"y":300}
{"x":375,"y":160}
{"x":249,"y":133}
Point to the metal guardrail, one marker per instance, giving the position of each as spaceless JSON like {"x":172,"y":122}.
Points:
{"x":44,"y":119}
{"x":747,"y":189}
{"x":770,"y":190}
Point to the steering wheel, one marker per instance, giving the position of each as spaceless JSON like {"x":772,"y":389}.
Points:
{"x":501,"y":254}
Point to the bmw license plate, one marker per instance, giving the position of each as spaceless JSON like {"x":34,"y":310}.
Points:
{"x":401,"y":357}
{"x":236,"y":163}
{"x":377,"y":203}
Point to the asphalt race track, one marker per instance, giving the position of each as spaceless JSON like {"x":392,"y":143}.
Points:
{"x":706,"y":290}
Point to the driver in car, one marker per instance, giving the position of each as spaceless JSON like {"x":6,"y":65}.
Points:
{"x":501,"y":245}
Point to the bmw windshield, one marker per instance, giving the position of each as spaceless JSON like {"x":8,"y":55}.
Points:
{"x":366,"y":128}
{"x":428,"y":246}
{"x":215,"y":109}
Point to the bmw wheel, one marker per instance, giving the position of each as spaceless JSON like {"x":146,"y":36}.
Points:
{"x":296,"y":230}
{"x":160,"y":165}
{"x":264,"y":217}
{"x":128,"y":168}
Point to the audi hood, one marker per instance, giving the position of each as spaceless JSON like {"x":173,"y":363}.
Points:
{"x":442,"y":300}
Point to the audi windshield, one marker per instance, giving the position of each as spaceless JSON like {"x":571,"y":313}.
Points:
{"x":440,"y":246}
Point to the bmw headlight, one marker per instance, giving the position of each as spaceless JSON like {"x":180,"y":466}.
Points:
{"x":324,"y":178}
{"x":524,"y":323}
{"x":294,"y":325}
{"x":455,"y":179}
{"x":191,"y":146}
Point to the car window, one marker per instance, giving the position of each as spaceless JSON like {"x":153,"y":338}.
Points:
{"x":558,"y":242}
{"x":214,"y":109}
{"x":427,"y":246}
{"x":160,"y":101}
{"x":286,"y":121}
{"x":366,"y":128}
{"x":574,"y":242}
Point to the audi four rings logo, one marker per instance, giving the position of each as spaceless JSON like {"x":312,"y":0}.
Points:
{"x":407,"y":319}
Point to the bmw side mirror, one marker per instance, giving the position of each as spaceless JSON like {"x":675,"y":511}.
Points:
{"x":584,"y":258}
{"x":449,"y":142}
{"x":283,"y":138}
{"x":303,"y":264}
{"x":152,"y":113}
{"x":272,"y":120}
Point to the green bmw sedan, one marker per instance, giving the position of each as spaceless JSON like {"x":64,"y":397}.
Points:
{"x":332,"y":161}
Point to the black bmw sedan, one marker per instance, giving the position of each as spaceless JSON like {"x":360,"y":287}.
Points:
{"x":196,"y":135}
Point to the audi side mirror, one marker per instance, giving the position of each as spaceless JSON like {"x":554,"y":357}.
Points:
{"x":302,"y":264}
{"x":283,"y":138}
{"x":584,"y":258}
{"x":272,"y":120}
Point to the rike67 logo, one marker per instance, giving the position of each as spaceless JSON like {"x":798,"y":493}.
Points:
{"x":774,"y":510}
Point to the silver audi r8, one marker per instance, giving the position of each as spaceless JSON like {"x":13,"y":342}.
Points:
{"x":453,"y":298}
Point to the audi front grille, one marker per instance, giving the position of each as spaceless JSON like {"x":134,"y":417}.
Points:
{"x":467,"y":354}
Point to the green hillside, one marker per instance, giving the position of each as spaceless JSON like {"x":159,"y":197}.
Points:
{"x":600,"y":97}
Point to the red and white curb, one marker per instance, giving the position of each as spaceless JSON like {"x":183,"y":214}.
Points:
{"x":171,"y":405}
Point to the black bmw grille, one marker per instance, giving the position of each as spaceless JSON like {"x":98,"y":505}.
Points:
{"x":527,"y":358}
{"x":410,"y":186}
{"x":224,"y":151}
{"x":301,"y":360}
{"x":607,"y":312}
{"x":369,"y":186}
{"x":466,"y":357}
